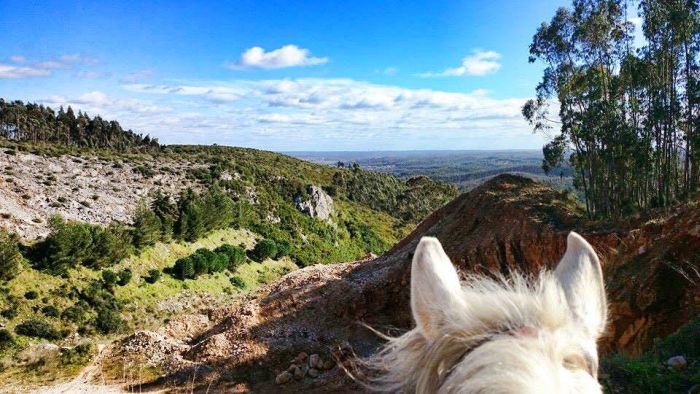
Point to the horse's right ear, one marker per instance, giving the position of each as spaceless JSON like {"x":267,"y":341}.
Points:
{"x":581,"y":277}
{"x":435,"y":287}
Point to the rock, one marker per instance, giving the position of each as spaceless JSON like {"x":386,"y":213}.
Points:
{"x":318,"y":205}
{"x":301,"y":358}
{"x":314,"y":361}
{"x":292,"y":367}
{"x":299,"y":373}
{"x":328,"y":364}
{"x":678,"y":363}
{"x":283,"y":378}
{"x":695,"y":389}
{"x":313,"y":372}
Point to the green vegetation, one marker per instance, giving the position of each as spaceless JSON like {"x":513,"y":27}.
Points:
{"x":10,"y":257}
{"x":37,"y":328}
{"x":649,"y":372}
{"x":35,"y":122}
{"x":628,"y":119}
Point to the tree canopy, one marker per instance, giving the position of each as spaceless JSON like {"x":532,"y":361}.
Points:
{"x":628,"y":117}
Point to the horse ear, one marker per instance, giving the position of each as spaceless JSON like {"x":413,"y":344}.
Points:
{"x":435,"y":287}
{"x":581,"y":276}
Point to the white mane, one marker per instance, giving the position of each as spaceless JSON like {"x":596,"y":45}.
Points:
{"x":498,"y":336}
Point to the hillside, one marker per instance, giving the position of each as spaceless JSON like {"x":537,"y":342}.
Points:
{"x":508,"y":223}
{"x":98,"y":242}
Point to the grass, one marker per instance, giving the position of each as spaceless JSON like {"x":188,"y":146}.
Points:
{"x":649,"y":373}
{"x":147,"y":306}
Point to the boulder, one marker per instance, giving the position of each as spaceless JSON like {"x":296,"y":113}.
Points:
{"x":318,"y":204}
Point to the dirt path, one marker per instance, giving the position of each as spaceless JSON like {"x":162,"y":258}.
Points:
{"x":84,"y":382}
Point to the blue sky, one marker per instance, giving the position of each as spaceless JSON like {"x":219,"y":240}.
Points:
{"x":282,"y":75}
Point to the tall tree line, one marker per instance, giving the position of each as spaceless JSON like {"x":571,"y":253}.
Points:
{"x":628,"y":118}
{"x":35,"y":122}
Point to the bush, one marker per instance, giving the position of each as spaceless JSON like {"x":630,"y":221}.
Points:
{"x":147,"y":226}
{"x":72,"y":243}
{"x":79,"y":355}
{"x":38,"y":329}
{"x":266,"y":248}
{"x":6,"y":339}
{"x":31,"y":295}
{"x":184,"y":268}
{"x":109,"y":278}
{"x":76,"y":313}
{"x":108,"y":321}
{"x":124,"y":277}
{"x":237,"y":282}
{"x":235,"y":255}
{"x":153,"y":276}
{"x":50,"y":311}
{"x":9,"y":256}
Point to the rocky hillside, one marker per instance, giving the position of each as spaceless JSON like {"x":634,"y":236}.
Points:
{"x":508,"y":223}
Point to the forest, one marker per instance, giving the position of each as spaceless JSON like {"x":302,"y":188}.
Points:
{"x":626,"y":119}
{"x":38,"y":123}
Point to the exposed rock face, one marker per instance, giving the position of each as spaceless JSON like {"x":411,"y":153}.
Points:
{"x":88,"y":189}
{"x":318,"y":205}
{"x":509,"y":223}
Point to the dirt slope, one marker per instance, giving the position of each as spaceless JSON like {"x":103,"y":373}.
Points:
{"x":508,"y":223}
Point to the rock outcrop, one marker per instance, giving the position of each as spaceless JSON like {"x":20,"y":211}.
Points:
{"x":318,"y":203}
{"x":509,"y":223}
{"x":87,"y":189}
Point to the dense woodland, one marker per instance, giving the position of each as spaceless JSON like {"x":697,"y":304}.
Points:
{"x":35,"y":122}
{"x":628,"y":118}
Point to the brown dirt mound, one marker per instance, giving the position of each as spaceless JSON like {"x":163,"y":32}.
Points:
{"x":509,"y":223}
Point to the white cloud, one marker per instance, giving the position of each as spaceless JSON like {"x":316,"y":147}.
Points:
{"x":286,"y":56}
{"x":41,"y":69}
{"x":92,"y":74}
{"x":479,"y":63}
{"x":8,"y":71}
{"x":390,"y":71}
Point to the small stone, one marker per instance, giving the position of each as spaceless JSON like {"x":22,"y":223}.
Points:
{"x":320,"y":382}
{"x":292,"y":367}
{"x":314,"y":361}
{"x":302,"y":357}
{"x":299,"y":373}
{"x":677,"y":362}
{"x":283,"y":378}
{"x":328,"y":364}
{"x":313,"y":372}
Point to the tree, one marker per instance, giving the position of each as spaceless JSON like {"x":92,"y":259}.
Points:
{"x":626,"y":119}
{"x":10,"y":257}
{"x":147,"y":226}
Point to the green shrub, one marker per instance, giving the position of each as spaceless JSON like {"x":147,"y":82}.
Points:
{"x":124,"y":277}
{"x":76,"y":313}
{"x":147,"y":226}
{"x":50,"y":311}
{"x":153,"y":276}
{"x":79,"y":355}
{"x":108,"y":321}
{"x":264,"y":249}
{"x":31,"y":295}
{"x":10,"y":256}
{"x":72,"y":243}
{"x":6,"y":339}
{"x":237,"y":282}
{"x":38,"y":329}
{"x":184,"y":268}
{"x":109,"y":278}
{"x":235,"y":255}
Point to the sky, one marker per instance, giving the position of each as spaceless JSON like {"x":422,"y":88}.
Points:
{"x":284,"y":75}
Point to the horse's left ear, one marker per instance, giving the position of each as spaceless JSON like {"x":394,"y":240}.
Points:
{"x":435,"y":287}
{"x":581,"y":277}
